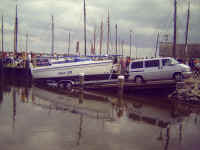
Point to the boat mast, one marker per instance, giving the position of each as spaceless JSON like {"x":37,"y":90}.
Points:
{"x":52,"y":36}
{"x":174,"y":41}
{"x":122,"y":44}
{"x":186,"y":32}
{"x":26,"y":43}
{"x":157,"y":39}
{"x":108,"y":38}
{"x":130,"y":41}
{"x":69,"y":44}
{"x":15,"y":32}
{"x":94,"y":47}
{"x":116,"y":39}
{"x":2,"y":40}
{"x":85,"y":28}
{"x":101,"y":37}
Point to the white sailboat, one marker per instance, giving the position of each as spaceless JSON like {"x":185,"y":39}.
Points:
{"x":70,"y":69}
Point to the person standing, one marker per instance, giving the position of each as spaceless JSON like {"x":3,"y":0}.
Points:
{"x":128,"y":60}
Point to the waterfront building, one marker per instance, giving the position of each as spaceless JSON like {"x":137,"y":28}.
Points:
{"x":192,"y":51}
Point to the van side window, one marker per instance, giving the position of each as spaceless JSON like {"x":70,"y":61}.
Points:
{"x":152,"y":63}
{"x":166,"y":62}
{"x":138,"y":64}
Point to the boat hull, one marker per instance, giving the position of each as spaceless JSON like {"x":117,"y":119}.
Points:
{"x":92,"y":70}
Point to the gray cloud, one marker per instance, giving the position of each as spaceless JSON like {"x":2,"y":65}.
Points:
{"x":144,"y":18}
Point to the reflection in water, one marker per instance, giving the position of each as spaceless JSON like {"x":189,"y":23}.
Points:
{"x":14,"y":109}
{"x":180,"y":132}
{"x":1,"y":94}
{"x":81,"y":96}
{"x":25,"y":95}
{"x":161,"y":118}
{"x":1,"y":85}
{"x":167,"y":139}
{"x":160,"y":138}
{"x":71,"y":102}
{"x":80,"y":130}
{"x":86,"y":111}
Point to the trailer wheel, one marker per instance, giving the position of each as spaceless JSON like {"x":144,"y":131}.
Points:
{"x":68,"y":85}
{"x":65,"y":85}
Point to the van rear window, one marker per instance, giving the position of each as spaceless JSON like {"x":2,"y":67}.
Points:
{"x":152,"y":63}
{"x":138,"y":64}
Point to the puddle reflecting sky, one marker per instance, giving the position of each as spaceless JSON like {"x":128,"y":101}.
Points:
{"x":35,"y":118}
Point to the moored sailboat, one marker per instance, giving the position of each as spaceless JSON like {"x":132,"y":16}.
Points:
{"x":70,"y":69}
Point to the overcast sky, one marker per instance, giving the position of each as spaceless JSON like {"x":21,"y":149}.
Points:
{"x":144,"y":17}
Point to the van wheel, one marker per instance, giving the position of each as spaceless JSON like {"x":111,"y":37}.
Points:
{"x":139,"y":80}
{"x":61,"y":85}
{"x":178,"y":77}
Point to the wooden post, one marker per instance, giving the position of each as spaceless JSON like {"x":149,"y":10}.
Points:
{"x":81,"y":77}
{"x":121,"y":86}
{"x":179,"y":85}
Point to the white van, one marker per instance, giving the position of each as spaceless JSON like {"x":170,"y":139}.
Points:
{"x":158,"y":69}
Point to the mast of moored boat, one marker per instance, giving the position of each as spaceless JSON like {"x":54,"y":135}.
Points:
{"x":116,"y":39}
{"x":94,"y":45}
{"x":2,"y":55}
{"x":85,"y":46}
{"x":26,"y":43}
{"x":130,"y":41}
{"x":52,"y":36}
{"x":15,"y":33}
{"x":157,"y":41}
{"x":122,"y":45}
{"x":101,"y":37}
{"x":174,"y":41}
{"x":186,"y":32}
{"x":2,"y":40}
{"x":69,"y":43}
{"x":108,"y":38}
